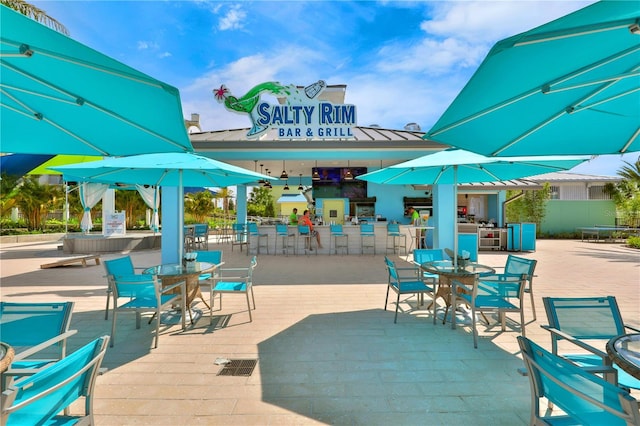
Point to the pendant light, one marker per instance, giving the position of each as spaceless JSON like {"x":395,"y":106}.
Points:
{"x":265,"y":182}
{"x":348,"y":175}
{"x":268,"y":184}
{"x":300,"y":188}
{"x":315,"y":175}
{"x":261,"y":179}
{"x":286,"y":186}
{"x":284,"y":174}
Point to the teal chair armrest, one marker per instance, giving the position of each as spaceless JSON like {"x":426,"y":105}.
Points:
{"x":579,"y":343}
{"x":35,"y":349}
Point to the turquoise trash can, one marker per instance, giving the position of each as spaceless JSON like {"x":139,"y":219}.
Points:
{"x":514,"y":234}
{"x":528,"y":237}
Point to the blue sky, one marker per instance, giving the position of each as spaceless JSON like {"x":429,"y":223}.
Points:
{"x":402,"y":61}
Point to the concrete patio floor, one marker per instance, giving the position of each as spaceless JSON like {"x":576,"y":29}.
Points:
{"x":327,"y":351}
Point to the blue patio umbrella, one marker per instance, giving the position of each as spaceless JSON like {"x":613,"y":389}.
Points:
{"x":162,"y":169}
{"x":59,"y":96}
{"x":21,"y":164}
{"x":457,"y":166}
{"x":571,"y":86}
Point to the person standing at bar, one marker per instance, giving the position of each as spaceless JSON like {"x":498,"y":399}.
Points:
{"x":293,"y":217}
{"x":415,"y":221}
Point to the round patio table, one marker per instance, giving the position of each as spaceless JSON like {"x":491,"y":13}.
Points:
{"x":625,"y":352}
{"x":463,"y":272}
{"x":171,"y":273}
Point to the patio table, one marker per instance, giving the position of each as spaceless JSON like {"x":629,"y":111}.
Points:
{"x":171,"y":273}
{"x":465,"y":273}
{"x":625,"y":352}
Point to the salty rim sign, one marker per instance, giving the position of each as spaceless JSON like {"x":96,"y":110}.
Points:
{"x":302,"y":116}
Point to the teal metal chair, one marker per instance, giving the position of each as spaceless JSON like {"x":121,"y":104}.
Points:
{"x":585,"y":399}
{"x":38,"y":334}
{"x":206,"y":279}
{"x":144,"y":293}
{"x":367,"y":237}
{"x":338,"y":239}
{"x":501,"y":295}
{"x":113,"y":267}
{"x":398,"y":239}
{"x":305,"y":235}
{"x":421,"y":256}
{"x":38,"y":399}
{"x":234,"y":281}
{"x":406,"y":281}
{"x":238,"y":235}
{"x":201,"y":236}
{"x":586,"y":322}
{"x":286,"y":237}
{"x":516,"y":265}
{"x":257,"y":239}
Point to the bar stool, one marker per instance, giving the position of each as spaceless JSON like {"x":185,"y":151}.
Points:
{"x":239,"y":235}
{"x":304,"y":234}
{"x":261,"y":240}
{"x":367,"y":237}
{"x":338,"y":239}
{"x":288,"y":239}
{"x":398,"y":239}
{"x":201,"y":236}
{"x":189,"y":238}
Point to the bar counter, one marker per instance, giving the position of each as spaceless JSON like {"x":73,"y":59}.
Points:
{"x":353,"y":231}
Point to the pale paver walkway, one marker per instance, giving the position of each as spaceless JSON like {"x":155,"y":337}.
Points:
{"x":328,"y":352}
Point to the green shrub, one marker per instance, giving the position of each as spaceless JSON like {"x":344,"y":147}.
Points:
{"x":634,"y":242}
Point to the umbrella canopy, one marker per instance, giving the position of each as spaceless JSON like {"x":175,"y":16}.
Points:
{"x":161,"y":169}
{"x":59,"y":96}
{"x":61,"y":160}
{"x":21,"y":164}
{"x":455,"y":166}
{"x":571,"y":86}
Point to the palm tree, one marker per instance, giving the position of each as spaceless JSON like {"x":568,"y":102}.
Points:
{"x":626,"y":193}
{"x":36,"y":14}
{"x":631,"y":172}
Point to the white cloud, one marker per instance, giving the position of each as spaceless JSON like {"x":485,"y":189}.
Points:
{"x":292,"y":65}
{"x":233,"y":20}
{"x":146,"y":45}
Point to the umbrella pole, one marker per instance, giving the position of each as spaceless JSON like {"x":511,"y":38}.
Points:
{"x":180,"y":217}
{"x":66,"y":209}
{"x":455,"y":216}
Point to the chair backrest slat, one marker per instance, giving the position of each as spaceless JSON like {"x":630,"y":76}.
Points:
{"x":38,"y":398}
{"x":393,"y":228}
{"x":119,"y":266}
{"x":136,"y":286}
{"x":24,"y":325}
{"x":393,"y":272}
{"x":366,"y":229}
{"x":213,"y":256}
{"x":303,"y":229}
{"x":421,"y":256}
{"x":585,"y":397}
{"x":520,"y":265}
{"x":585,"y":318}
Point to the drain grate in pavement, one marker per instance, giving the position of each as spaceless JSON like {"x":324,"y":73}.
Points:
{"x":238,"y":367}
